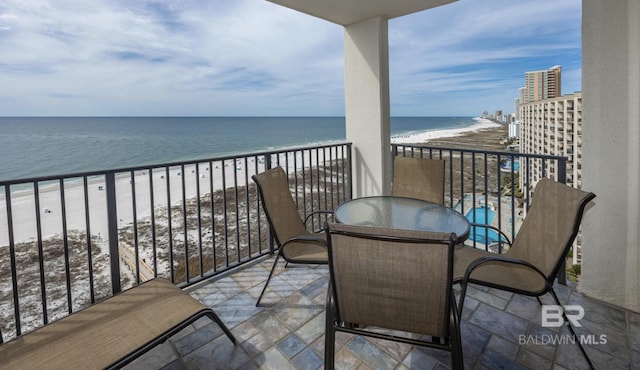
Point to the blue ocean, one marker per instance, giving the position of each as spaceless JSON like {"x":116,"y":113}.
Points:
{"x":42,"y":146}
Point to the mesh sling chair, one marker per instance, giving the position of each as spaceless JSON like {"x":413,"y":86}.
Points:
{"x":296,"y":244}
{"x":536,"y":256}
{"x":420,"y":178}
{"x":399,"y":280}
{"x":111,"y":333}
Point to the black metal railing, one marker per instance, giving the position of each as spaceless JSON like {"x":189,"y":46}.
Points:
{"x":68,"y":241}
{"x":490,"y":187}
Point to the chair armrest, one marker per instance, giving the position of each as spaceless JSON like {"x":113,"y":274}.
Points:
{"x":316,"y":213}
{"x":500,"y":258}
{"x":493,"y":228}
{"x":305,"y":238}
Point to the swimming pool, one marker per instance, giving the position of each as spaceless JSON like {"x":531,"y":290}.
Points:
{"x":483,"y":215}
{"x":506,"y":167}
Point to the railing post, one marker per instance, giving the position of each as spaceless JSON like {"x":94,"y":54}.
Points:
{"x":267,"y":161}
{"x":350,"y":177}
{"x":13,"y":262}
{"x":562,"y":170}
{"x":394,"y":154}
{"x":562,"y":178}
{"x":112,"y":224}
{"x":270,"y":238}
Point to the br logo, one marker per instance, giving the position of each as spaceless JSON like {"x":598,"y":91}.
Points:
{"x":552,"y":315}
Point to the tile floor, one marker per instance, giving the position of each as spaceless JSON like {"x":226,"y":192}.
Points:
{"x":499,"y":330}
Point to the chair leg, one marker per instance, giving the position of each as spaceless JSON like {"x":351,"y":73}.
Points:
{"x":457,"y":359}
{"x":213,"y":316}
{"x":575,"y":337}
{"x":329,"y":335}
{"x":463,"y":292}
{"x":268,"y":279}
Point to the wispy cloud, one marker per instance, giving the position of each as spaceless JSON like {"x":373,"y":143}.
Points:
{"x":480,"y":50}
{"x":153,"y":57}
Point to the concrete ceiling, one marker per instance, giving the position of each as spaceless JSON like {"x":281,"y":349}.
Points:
{"x":346,"y":12}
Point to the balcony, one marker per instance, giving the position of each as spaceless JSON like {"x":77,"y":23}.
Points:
{"x":200,"y":224}
{"x":288,"y":332}
{"x":610,"y":98}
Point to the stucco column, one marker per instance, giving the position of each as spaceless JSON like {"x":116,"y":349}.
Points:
{"x":611,"y":151}
{"x":366,"y":50}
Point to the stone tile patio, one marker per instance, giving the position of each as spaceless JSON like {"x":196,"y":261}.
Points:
{"x":499,"y":330}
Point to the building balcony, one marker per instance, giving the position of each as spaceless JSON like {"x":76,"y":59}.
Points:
{"x":223,"y":241}
{"x":499,"y":330}
{"x":488,"y":326}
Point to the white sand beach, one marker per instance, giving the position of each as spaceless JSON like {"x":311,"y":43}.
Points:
{"x":421,"y":137}
{"x":208,"y":177}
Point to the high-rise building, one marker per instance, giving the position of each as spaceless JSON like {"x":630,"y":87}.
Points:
{"x":553,"y":127}
{"x":540,"y":85}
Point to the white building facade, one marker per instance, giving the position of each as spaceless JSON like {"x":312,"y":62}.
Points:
{"x":552,"y":127}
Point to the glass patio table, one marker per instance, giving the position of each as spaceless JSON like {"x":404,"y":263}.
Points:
{"x":403,"y":213}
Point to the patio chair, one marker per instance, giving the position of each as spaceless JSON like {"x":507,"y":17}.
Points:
{"x":537,"y":254}
{"x":111,"y":333}
{"x":420,"y":178}
{"x":295,"y":243}
{"x":386,"y":281}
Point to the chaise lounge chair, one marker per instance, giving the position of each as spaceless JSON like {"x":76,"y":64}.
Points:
{"x":110,"y":333}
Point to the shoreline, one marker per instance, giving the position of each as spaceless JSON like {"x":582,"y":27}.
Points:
{"x":484,"y":134}
{"x":167,"y":183}
{"x":481,"y":125}
{"x":414,"y":129}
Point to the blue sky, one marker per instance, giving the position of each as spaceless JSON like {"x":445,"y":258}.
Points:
{"x":254,"y":58}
